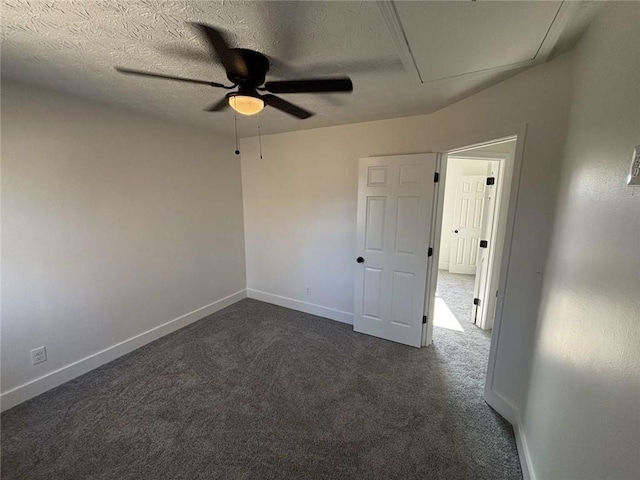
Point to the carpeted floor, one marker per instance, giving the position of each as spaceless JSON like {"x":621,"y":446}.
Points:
{"x":257,"y":391}
{"x":457,"y":292}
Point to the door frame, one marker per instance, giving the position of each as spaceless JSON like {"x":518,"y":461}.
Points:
{"x":502,"y":406}
{"x":503,"y":194}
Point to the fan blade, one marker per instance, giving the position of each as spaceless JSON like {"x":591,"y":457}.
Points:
{"x":131,"y":71}
{"x":286,"y":107}
{"x":221,"y":105}
{"x":215,"y":39}
{"x":230,"y":59}
{"x":200,"y":55}
{"x":310,"y":86}
{"x":281,"y":69}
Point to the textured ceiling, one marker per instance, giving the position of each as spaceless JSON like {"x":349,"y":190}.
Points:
{"x":73,"y":45}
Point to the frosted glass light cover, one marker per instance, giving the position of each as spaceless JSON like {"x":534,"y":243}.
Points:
{"x":245,"y":104}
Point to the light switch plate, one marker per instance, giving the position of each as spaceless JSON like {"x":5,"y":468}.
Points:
{"x":634,"y":172}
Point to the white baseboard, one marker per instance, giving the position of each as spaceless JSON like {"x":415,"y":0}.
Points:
{"x":443,"y":266}
{"x":53,"y":379}
{"x":46,"y":382}
{"x":523,"y":451}
{"x":512,"y":415}
{"x":306,"y":307}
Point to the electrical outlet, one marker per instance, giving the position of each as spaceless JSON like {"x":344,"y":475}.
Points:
{"x":634,"y":172}
{"x":38,"y":355}
{"x":307,"y":289}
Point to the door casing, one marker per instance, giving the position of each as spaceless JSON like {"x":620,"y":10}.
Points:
{"x":518,"y":132}
{"x":497,"y":235}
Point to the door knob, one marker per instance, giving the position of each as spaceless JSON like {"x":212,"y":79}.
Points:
{"x":455,"y":231}
{"x":360,"y":260}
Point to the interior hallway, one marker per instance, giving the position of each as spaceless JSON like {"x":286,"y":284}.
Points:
{"x":260,"y":391}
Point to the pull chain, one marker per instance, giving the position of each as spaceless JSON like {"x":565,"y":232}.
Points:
{"x":235,"y":123}
{"x":260,"y":141}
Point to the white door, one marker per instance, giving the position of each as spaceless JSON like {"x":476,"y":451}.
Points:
{"x":467,"y":224}
{"x":483,"y":313}
{"x":395,"y":209}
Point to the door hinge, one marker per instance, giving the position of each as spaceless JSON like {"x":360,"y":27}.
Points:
{"x":491,"y":180}
{"x":430,"y":252}
{"x":436,"y":177}
{"x":424,"y":319}
{"x":476,"y":301}
{"x":484,"y":243}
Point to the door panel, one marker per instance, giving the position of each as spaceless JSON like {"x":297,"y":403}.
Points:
{"x":395,"y":203}
{"x":377,"y":176}
{"x":403,"y":287}
{"x":460,"y":250}
{"x":372,"y":291}
{"x":467,"y":224}
{"x":376,"y":212}
{"x":408,"y":219}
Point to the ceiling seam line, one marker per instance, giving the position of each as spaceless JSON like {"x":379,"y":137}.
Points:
{"x":549,"y":29}
{"x":406,"y":41}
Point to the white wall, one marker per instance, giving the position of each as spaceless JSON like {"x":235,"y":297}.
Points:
{"x":113,"y":223}
{"x":456,"y":168}
{"x":583,"y":410}
{"x":300,"y":201}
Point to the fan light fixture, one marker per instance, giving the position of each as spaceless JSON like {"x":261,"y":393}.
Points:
{"x":246,"y":104}
{"x":247,"y":71}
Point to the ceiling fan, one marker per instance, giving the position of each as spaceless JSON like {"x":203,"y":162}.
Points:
{"x":247,"y":71}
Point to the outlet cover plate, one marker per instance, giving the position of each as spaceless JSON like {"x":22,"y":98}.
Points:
{"x":38,"y":355}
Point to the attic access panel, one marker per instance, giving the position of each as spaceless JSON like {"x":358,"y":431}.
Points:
{"x":449,"y":38}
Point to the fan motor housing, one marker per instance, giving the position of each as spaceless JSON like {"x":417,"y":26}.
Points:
{"x":257,"y":67}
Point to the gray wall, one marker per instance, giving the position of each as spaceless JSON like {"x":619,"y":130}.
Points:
{"x":113,"y":223}
{"x":583,"y":409}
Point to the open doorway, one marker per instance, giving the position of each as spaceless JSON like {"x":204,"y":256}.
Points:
{"x":474,"y":219}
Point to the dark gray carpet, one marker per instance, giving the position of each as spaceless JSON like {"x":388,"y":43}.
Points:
{"x":256,"y":391}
